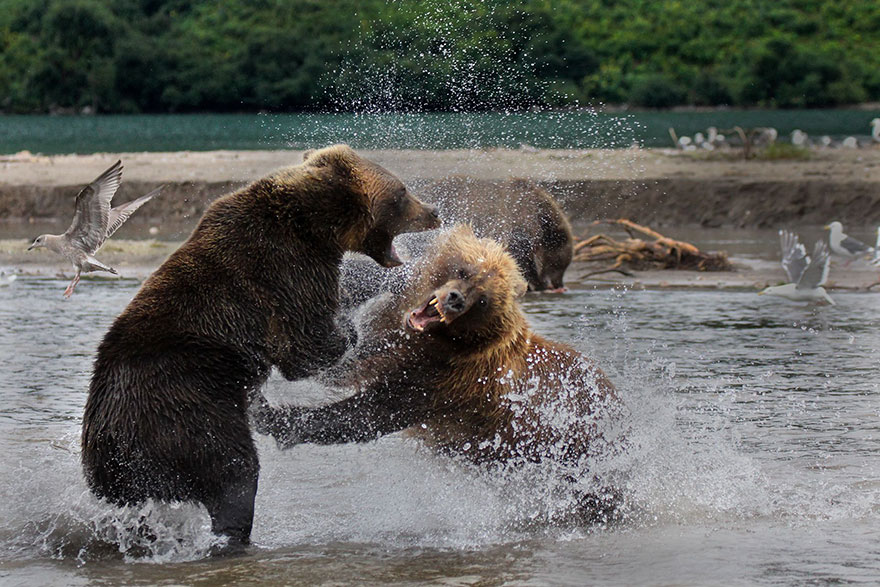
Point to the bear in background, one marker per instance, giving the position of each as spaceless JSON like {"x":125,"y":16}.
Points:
{"x":456,"y":362}
{"x":254,"y":286}
{"x":517,"y":213}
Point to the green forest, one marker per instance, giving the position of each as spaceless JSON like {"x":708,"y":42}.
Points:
{"x":129,"y":56}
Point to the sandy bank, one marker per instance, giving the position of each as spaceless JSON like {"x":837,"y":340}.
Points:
{"x":660,"y":188}
{"x":598,"y":164}
{"x":652,"y":186}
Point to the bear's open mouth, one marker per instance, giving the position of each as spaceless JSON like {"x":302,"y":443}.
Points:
{"x":379,"y":246}
{"x":430,"y":313}
{"x":390,"y":257}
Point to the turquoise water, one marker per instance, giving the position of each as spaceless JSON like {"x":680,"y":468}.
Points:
{"x":559,"y":130}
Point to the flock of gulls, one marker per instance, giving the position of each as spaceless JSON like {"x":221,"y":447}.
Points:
{"x":714,"y":139}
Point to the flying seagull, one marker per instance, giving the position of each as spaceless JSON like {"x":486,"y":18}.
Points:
{"x":93,"y":223}
{"x":846,"y":246}
{"x":805,"y":275}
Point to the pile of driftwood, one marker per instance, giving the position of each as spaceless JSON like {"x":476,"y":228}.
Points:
{"x":637,"y":254}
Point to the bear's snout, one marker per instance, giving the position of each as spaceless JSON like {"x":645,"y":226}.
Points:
{"x":454,"y":301}
{"x":431,"y":216}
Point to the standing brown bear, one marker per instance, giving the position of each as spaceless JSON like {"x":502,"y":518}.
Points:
{"x":254,"y":286}
{"x":459,"y":363}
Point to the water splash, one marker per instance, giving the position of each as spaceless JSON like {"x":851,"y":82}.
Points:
{"x":696,"y":453}
{"x":417,"y":82}
{"x":61,"y":519}
{"x":438,"y":58}
{"x":705,"y":452}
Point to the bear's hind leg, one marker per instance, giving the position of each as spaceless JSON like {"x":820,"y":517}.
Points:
{"x":232,"y":513}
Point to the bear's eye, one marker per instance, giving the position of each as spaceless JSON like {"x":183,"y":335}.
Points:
{"x":462,"y":274}
{"x":483,"y":300}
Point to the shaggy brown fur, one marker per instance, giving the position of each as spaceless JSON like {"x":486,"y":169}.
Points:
{"x":462,"y":367}
{"x":518,"y":213}
{"x":254,"y":286}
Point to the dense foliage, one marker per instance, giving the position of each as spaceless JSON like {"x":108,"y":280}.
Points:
{"x":283,"y":55}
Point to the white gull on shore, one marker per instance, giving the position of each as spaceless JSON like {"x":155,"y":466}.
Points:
{"x":7,"y":276}
{"x":846,"y":246}
{"x":875,"y":260}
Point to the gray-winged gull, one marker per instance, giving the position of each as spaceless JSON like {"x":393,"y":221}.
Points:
{"x":846,"y":246}
{"x":93,"y":223}
{"x":805,"y":275}
{"x":876,"y":259}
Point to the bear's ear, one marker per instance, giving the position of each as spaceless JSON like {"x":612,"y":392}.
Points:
{"x":520,"y":286}
{"x":342,"y":157}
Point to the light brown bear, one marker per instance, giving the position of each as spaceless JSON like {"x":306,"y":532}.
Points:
{"x":458,"y":364}
{"x":254,"y":286}
{"x":517,"y":213}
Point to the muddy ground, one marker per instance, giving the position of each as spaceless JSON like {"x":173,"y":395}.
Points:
{"x":651,"y":186}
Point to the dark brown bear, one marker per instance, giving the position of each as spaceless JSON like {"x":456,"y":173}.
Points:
{"x":255,"y":286}
{"x":462,"y":367}
{"x":517,"y":213}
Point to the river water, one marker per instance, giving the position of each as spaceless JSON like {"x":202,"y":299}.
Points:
{"x":754,"y":459}
{"x":575,"y":129}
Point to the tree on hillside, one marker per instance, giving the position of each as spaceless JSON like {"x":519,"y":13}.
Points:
{"x":290,"y":55}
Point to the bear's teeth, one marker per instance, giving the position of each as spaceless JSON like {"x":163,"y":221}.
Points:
{"x":433,"y":302}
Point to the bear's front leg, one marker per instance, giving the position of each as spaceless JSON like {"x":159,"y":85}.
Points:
{"x":363,"y":417}
{"x":322,"y":346}
{"x":279,"y":423}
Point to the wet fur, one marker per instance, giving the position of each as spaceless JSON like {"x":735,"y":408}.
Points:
{"x":517,"y":213}
{"x":255,"y":286}
{"x":455,"y":386}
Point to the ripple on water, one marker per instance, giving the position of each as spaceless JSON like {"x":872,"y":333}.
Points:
{"x":754,"y":438}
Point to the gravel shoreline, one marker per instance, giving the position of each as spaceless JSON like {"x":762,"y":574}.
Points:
{"x":137,"y":259}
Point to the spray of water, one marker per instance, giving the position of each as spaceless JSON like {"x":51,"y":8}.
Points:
{"x":61,"y":519}
{"x":428,"y":81}
{"x":683,"y":463}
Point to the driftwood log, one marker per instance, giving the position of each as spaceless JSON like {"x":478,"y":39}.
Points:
{"x":637,"y":254}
